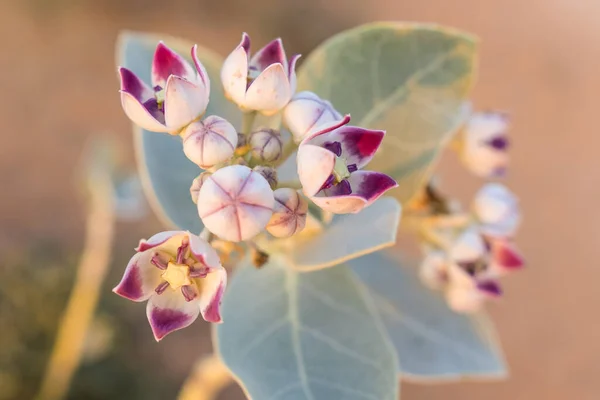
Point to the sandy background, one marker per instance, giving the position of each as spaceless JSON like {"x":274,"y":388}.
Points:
{"x":540,"y":59}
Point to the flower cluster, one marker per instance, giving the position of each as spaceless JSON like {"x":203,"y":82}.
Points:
{"x":466,"y":253}
{"x":238,"y":195}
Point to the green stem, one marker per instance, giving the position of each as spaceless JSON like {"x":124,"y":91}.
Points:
{"x":248,"y":122}
{"x":290,"y":184}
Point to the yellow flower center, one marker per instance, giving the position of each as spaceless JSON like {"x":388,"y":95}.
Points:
{"x":177,"y":275}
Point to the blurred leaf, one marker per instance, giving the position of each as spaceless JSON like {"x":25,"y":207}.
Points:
{"x":350,"y":236}
{"x":164,"y":170}
{"x":289,"y":335}
{"x":433,"y":342}
{"x":408,"y":79}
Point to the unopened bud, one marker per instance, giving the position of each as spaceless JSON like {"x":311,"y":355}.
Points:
{"x":209,"y":142}
{"x":266,"y":144}
{"x":306,"y":111}
{"x":197,"y":184}
{"x":270,"y":174}
{"x":236,"y":203}
{"x":289,"y":213}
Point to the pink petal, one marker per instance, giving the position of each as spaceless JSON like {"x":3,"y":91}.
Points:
{"x":166,"y":62}
{"x":506,"y":255}
{"x":184,"y":102}
{"x":324,"y":129}
{"x":292,"y":72}
{"x":148,"y":118}
{"x":315,"y":165}
{"x":170,"y":311}
{"x":133,"y":85}
{"x":140,"y":278}
{"x":245,"y":43}
{"x":234,"y":75}
{"x":358,"y":144}
{"x":158,"y":239}
{"x":204,"y":252}
{"x":367,"y":186}
{"x":272,"y":53}
{"x":490,"y":289}
{"x":213,"y":287}
{"x":270,"y":91}
{"x":202,"y":74}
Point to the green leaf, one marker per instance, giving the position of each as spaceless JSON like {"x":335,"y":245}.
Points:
{"x":164,"y":170}
{"x":433,"y":342}
{"x":408,"y":79}
{"x":310,"y":336}
{"x":349,"y":236}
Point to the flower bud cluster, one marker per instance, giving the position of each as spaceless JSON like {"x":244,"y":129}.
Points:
{"x":238,"y":195}
{"x":466,"y":253}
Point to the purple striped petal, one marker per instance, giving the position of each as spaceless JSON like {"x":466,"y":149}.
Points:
{"x":146,"y":115}
{"x":366,"y":186}
{"x":245,"y":43}
{"x":160,"y":239}
{"x":490,"y":288}
{"x":213,"y":287}
{"x":272,"y":53}
{"x":204,"y":252}
{"x":132,"y":84}
{"x":166,"y":62}
{"x":358,"y":144}
{"x":292,"y":72}
{"x":170,"y":311}
{"x":140,"y":278}
{"x":322,"y":130}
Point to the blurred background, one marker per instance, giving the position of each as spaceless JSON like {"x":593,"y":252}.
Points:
{"x":540,"y":60}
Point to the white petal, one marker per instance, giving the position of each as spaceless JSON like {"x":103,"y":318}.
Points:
{"x":234,"y":75}
{"x":315,"y":165}
{"x":184,"y":102}
{"x":270,"y":91}
{"x":140,"y":278}
{"x":211,"y":293}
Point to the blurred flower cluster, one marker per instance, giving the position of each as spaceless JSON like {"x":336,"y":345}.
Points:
{"x":238,"y":195}
{"x":466,"y":252}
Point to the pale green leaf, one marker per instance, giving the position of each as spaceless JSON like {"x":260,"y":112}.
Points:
{"x":408,"y":79}
{"x":311,"y":336}
{"x":165,"y":172}
{"x":433,"y":342}
{"x":349,"y":236}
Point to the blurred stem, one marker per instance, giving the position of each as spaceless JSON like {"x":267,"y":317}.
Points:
{"x":209,"y":377}
{"x":248,"y":122}
{"x":91,"y":271}
{"x":290,"y":184}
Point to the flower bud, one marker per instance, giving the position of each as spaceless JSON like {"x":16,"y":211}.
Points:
{"x":209,"y":142}
{"x":266,"y":144}
{"x":305,"y":111}
{"x":270,"y":174}
{"x":497,"y":209}
{"x":197,"y":184}
{"x":289,"y":213}
{"x":485,"y":144}
{"x":235,"y":203}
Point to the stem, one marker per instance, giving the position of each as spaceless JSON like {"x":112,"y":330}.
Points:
{"x":207,"y":380}
{"x":91,"y":271}
{"x":248,"y":121}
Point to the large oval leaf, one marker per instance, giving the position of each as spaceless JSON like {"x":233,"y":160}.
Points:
{"x":410,"y":80}
{"x":311,"y":336}
{"x":164,"y":170}
{"x":433,"y":342}
{"x":349,"y":236}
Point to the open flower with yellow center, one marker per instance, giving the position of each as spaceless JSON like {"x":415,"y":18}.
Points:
{"x":180,"y":275}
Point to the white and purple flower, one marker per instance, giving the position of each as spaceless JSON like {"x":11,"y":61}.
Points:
{"x":330,"y":159}
{"x":180,"y":275}
{"x":497,"y":210}
{"x":178,"y":96}
{"x":209,"y":142}
{"x":485,"y":144}
{"x":264,"y":82}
